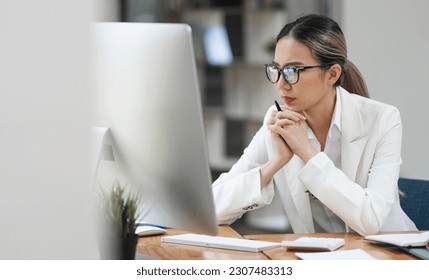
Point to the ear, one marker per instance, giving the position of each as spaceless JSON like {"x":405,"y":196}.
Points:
{"x":333,"y":74}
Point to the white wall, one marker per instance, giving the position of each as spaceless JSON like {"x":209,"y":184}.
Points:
{"x":44,"y":130}
{"x":389,"y":42}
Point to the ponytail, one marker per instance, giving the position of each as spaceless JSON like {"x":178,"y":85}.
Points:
{"x":352,"y":80}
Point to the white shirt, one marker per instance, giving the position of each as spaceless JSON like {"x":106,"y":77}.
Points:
{"x":323,"y":218}
{"x":272,"y":218}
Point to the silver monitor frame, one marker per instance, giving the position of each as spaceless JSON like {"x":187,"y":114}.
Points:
{"x":146,"y":92}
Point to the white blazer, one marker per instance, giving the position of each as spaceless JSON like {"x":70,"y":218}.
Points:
{"x":364,"y":193}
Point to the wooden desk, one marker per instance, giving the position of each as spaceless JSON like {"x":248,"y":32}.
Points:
{"x":152,"y":246}
{"x":352,"y":241}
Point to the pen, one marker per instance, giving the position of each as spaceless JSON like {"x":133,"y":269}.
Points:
{"x":277,"y":106}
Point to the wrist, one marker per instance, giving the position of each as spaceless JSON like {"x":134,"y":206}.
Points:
{"x":270,"y":168}
{"x":280,"y":161}
{"x":308,"y":154}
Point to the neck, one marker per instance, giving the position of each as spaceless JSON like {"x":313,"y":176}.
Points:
{"x":319,"y":117}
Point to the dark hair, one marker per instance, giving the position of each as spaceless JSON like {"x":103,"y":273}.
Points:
{"x":326,"y":40}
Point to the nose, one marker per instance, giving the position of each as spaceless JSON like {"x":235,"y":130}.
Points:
{"x":282,"y":84}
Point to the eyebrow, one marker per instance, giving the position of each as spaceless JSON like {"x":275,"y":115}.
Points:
{"x":291,"y":63}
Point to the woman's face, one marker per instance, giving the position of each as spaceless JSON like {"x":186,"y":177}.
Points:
{"x":312,"y":87}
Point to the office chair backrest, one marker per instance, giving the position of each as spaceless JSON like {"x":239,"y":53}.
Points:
{"x":415,"y":201}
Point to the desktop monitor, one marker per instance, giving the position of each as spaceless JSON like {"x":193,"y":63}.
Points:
{"x":146,"y":92}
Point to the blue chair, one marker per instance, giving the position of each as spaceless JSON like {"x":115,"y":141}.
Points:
{"x":415,"y":201}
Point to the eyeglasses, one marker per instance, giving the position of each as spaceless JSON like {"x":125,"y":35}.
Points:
{"x":290,"y":73}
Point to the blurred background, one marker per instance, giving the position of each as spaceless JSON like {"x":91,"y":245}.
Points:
{"x":45,"y":91}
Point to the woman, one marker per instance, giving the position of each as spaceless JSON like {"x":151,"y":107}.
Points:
{"x":329,"y":161}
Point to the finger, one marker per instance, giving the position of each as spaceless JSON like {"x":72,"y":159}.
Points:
{"x":274,"y":114}
{"x":287,"y":115}
{"x":291,"y":115}
{"x":282,"y":122}
{"x":276,"y":129}
{"x":300,"y":115}
{"x":272,"y":127}
{"x":271,"y":121}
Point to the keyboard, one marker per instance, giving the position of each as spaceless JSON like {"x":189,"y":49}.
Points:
{"x":220,"y":242}
{"x":314,"y":244}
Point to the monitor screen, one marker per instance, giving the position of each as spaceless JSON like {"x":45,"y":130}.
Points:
{"x":146,"y":92}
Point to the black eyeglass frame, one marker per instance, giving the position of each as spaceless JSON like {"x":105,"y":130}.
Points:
{"x":296,"y":69}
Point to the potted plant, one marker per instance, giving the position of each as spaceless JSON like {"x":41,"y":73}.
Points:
{"x":118,"y":216}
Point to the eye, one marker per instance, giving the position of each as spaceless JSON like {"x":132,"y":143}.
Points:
{"x":272,"y":72}
{"x":273,"y":69}
{"x":289,"y":71}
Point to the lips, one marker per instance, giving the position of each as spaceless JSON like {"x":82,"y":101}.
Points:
{"x":288,"y":100}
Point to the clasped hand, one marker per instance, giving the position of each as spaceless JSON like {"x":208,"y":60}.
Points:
{"x":289,"y":132}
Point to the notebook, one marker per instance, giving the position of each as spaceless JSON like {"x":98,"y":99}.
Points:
{"x":401,"y":239}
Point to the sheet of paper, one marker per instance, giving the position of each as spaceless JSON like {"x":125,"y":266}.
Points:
{"x":355,"y":254}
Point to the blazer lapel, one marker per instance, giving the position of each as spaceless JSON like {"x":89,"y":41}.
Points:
{"x":353,"y":140}
{"x":297,"y":192}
